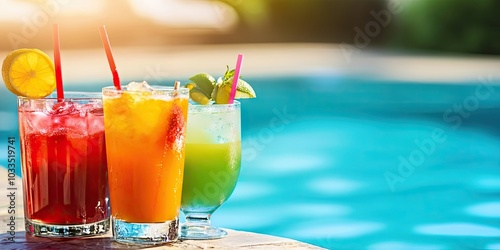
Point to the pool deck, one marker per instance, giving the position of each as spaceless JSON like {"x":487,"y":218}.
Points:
{"x":20,"y":240}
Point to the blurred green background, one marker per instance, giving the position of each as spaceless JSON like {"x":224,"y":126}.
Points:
{"x":462,"y":26}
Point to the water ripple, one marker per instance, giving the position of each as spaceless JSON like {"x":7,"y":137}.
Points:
{"x":495,"y":246}
{"x":491,"y":209}
{"x":488,"y":183}
{"x":245,"y":191}
{"x":315,"y":210}
{"x":395,"y":245}
{"x":296,"y":163}
{"x":333,"y":185}
{"x":329,"y":231}
{"x":458,"y":229}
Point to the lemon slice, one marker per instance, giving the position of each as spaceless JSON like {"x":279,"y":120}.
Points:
{"x":29,"y":73}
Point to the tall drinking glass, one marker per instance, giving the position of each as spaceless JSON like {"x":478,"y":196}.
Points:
{"x":145,"y":138}
{"x":213,"y":159}
{"x":64,"y":171}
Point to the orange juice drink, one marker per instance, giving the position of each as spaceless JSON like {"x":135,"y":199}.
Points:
{"x":145,"y":130}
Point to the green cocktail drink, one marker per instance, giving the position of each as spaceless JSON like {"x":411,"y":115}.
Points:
{"x":212,"y":165}
{"x":213,"y":149}
{"x":212,"y":171}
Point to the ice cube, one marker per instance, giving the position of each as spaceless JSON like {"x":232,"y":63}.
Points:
{"x":91,"y":108}
{"x":35,"y":122}
{"x":64,"y":108}
{"x":139,"y":86}
{"x":95,"y":123}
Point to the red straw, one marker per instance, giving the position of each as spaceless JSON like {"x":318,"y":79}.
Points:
{"x":57,"y":62}
{"x":235,"y":78}
{"x":109,"y":54}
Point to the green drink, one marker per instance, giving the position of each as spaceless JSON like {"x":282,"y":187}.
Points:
{"x":212,"y":165}
{"x":212,"y":171}
{"x":213,"y":149}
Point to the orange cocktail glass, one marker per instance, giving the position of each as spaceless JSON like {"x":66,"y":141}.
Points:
{"x":145,"y":131}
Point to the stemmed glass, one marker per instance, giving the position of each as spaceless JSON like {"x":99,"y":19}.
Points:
{"x":212,"y":166}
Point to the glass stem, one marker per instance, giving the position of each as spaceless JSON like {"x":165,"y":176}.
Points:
{"x":198,"y":220}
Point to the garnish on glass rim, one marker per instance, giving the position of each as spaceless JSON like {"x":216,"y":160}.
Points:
{"x":29,"y":73}
{"x":204,"y":89}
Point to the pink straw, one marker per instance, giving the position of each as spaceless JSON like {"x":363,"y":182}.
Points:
{"x":57,"y":62}
{"x":109,"y":54}
{"x":235,"y":78}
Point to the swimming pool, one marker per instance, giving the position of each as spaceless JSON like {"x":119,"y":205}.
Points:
{"x":350,"y":163}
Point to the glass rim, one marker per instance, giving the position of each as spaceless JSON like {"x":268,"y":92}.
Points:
{"x":68,"y":96}
{"x":213,"y":108}
{"x":195,"y":104}
{"x":157,"y":89}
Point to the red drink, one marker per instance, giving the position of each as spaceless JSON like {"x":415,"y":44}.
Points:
{"x":64,"y":167}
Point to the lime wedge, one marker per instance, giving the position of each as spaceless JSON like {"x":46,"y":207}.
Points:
{"x":204,"y":88}
{"x":215,"y":91}
{"x":205,"y":82}
{"x":243,"y":91}
{"x":222,"y":95}
{"x":198,"y":96}
{"x":190,"y":85}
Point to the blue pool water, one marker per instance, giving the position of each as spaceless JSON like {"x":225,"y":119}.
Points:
{"x":351,"y":163}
